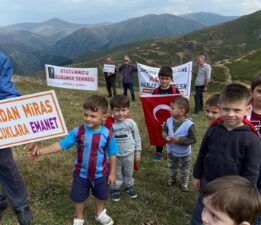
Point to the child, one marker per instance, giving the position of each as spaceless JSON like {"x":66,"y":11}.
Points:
{"x":128,"y":139}
{"x":230,"y":200}
{"x":94,"y":144}
{"x":212,"y":107}
{"x":179,"y":134}
{"x":254,"y":115}
{"x":165,"y":77}
{"x":229,"y":147}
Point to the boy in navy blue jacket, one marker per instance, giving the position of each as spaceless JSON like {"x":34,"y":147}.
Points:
{"x":229,"y":146}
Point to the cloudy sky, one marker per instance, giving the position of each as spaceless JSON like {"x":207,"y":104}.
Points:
{"x":98,"y":11}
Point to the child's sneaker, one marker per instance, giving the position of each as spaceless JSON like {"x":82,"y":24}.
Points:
{"x":115,"y":195}
{"x":157,"y":156}
{"x":103,"y":218}
{"x":184,"y":188}
{"x":132,"y":193}
{"x":78,"y":221}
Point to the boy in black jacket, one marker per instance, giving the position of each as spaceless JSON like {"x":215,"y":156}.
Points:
{"x":230,"y":146}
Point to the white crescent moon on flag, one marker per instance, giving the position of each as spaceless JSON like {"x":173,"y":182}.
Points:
{"x":158,"y":107}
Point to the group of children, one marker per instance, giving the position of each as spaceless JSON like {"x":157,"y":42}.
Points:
{"x":108,"y":148}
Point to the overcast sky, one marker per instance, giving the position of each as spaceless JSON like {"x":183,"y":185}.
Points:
{"x":98,"y":11}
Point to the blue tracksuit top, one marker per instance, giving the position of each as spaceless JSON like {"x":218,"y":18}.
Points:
{"x":7,"y":87}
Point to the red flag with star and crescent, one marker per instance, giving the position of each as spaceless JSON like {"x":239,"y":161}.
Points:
{"x":156,"y":110}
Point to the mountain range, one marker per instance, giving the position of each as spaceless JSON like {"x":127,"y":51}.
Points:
{"x":231,"y":45}
{"x":31,"y":45}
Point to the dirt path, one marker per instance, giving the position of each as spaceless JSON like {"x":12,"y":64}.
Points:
{"x":226,"y":70}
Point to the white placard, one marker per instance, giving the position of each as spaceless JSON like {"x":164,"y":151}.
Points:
{"x":109,"y":68}
{"x":30,"y":118}
{"x":72,"y":78}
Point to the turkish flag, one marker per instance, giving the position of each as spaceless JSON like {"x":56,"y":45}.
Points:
{"x":156,"y":110}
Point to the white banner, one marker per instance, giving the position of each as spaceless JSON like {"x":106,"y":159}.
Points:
{"x":109,"y":68}
{"x":148,"y":78}
{"x":72,"y":78}
{"x":30,"y":118}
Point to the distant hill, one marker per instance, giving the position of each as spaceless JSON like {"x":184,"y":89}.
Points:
{"x":136,"y":29}
{"x":208,"y":19}
{"x":54,"y":29}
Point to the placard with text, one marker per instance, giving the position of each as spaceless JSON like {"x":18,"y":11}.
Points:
{"x":30,"y":118}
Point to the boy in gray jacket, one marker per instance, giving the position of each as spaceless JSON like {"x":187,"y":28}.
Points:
{"x":127,"y":137}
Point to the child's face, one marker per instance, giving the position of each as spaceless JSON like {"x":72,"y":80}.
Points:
{"x":232,"y":113}
{"x":93,"y":119}
{"x":212,"y":216}
{"x":177,"y":111}
{"x":212,"y":112}
{"x":256,"y":94}
{"x":165,"y":82}
{"x":120,"y":113}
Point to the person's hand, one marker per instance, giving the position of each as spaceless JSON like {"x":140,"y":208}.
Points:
{"x":196,"y":184}
{"x":168,"y":139}
{"x":111,"y":179}
{"x":175,"y":139}
{"x":137,"y":158}
{"x":32,"y":150}
{"x":205,"y":89}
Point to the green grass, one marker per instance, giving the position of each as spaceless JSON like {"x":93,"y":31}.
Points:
{"x":48,"y":179}
{"x":246,"y":68}
{"x":218,"y":74}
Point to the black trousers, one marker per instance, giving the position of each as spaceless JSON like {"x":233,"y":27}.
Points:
{"x":12,"y":182}
{"x":198,"y":97}
{"x":111,"y":85}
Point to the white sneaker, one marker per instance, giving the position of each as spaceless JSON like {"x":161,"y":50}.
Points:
{"x":103,"y":218}
{"x":78,"y":221}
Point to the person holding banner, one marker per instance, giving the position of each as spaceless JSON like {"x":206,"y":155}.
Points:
{"x":96,"y":146}
{"x":127,"y":71}
{"x":201,"y":83}
{"x":165,"y":77}
{"x":110,"y":72}
{"x":10,"y":178}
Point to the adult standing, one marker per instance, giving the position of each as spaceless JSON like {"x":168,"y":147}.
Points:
{"x":10,"y":178}
{"x":110,"y":78}
{"x":127,"y":71}
{"x":201,"y":82}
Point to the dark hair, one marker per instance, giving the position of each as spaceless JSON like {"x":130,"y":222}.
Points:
{"x":234,"y":92}
{"x":96,"y":102}
{"x":256,"y":81}
{"x":235,"y":196}
{"x":213,"y":100}
{"x":120,"y":101}
{"x":165,"y":71}
{"x":181,"y":102}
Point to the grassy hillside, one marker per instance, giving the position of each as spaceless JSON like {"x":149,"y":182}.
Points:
{"x":48,"y":179}
{"x":245,"y":67}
